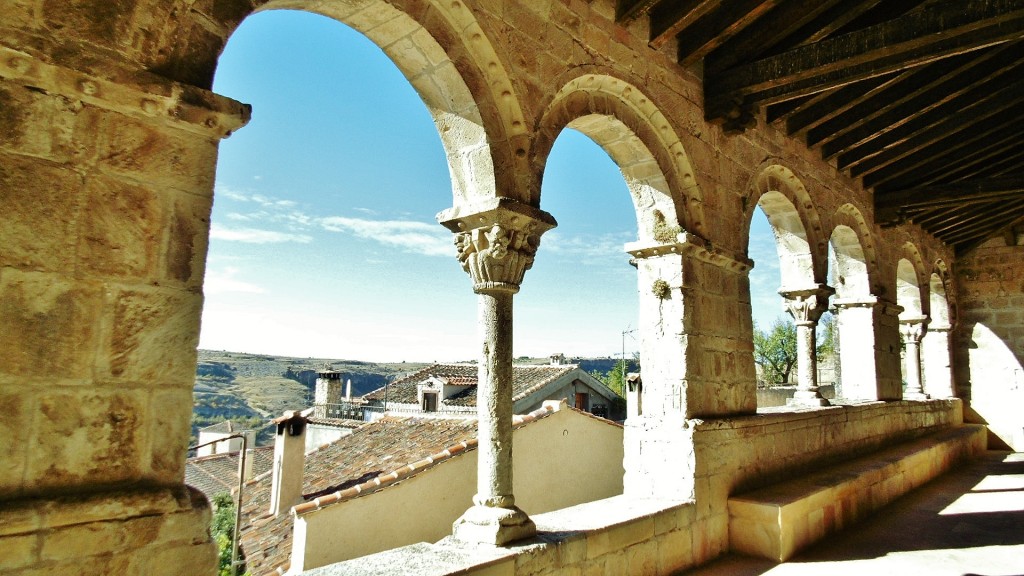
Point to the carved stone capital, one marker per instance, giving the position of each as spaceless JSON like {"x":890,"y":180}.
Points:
{"x":688,"y":244}
{"x":806,"y":305}
{"x":912,"y":328}
{"x":881,"y":305}
{"x":497,"y":241}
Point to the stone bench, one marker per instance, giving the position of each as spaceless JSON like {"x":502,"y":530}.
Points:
{"x":777,"y":521}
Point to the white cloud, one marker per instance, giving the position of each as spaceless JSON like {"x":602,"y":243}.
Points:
{"x":217,"y":282}
{"x":408,"y":235}
{"x":256,"y":235}
{"x":588,"y":249}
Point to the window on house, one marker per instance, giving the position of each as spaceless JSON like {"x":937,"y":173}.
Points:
{"x":430,"y":401}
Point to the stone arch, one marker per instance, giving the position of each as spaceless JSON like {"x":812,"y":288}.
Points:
{"x":910,"y":282}
{"x":938,"y":300}
{"x":633,"y":131}
{"x":440,"y":48}
{"x":795,"y":224}
{"x":855,"y":260}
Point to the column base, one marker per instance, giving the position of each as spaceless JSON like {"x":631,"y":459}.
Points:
{"x":490,"y":525}
{"x":916,"y":396}
{"x":807,"y":398}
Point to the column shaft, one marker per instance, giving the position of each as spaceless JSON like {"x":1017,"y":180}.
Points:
{"x":494,"y":401}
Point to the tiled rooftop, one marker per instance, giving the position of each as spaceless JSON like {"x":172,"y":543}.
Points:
{"x":218,"y":473}
{"x":525,"y":379}
{"x":373,"y":457}
{"x":225,"y":427}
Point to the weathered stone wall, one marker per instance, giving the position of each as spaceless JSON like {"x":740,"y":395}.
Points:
{"x":108,"y":140}
{"x":989,"y":357}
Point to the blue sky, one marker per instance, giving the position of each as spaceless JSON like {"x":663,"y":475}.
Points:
{"x":324,"y":242}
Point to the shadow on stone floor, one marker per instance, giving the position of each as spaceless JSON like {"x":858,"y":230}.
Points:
{"x":967,"y":522}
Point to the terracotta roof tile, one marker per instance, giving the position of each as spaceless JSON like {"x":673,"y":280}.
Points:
{"x":525,"y":380}
{"x":373,"y":457}
{"x":218,"y":473}
{"x":375,"y":450}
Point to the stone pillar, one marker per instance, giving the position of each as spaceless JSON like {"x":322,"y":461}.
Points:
{"x":869,"y":331}
{"x":497,"y":241}
{"x":806,"y":306}
{"x":936,"y":361}
{"x":912,"y":329}
{"x":107,"y":178}
{"x":696,"y":357}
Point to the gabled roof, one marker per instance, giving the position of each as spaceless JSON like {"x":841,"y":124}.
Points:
{"x":375,"y":456}
{"x":224,"y":427}
{"x":525,"y":381}
{"x":218,"y":473}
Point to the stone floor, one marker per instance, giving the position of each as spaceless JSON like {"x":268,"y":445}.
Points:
{"x":968,"y":522}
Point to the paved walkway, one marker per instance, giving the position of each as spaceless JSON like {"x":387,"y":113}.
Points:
{"x":969,"y":522}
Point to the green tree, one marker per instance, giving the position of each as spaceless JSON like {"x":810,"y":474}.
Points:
{"x":775,"y":351}
{"x":222,"y":528}
{"x":826,"y":335}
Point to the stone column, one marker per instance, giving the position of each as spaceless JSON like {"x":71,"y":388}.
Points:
{"x":868,"y":328}
{"x":911,"y":331}
{"x":806,"y":307}
{"x":496,"y":241}
{"x":936,"y":362}
{"x":696,"y":358}
{"x":107,"y":178}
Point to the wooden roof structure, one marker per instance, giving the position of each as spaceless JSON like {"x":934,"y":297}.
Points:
{"x":922,"y":100}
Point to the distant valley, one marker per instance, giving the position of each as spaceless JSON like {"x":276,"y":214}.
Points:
{"x":250,"y":389}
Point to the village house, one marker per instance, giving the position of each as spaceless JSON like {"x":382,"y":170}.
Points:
{"x":882,"y":140}
{"x":452,"y":389}
{"x":420,"y":469}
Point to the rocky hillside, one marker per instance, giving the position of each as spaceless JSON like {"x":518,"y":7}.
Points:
{"x":253,"y":388}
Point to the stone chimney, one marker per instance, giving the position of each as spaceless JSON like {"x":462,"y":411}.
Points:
{"x":247,"y":466}
{"x":328,"y":391}
{"x":289,"y":459}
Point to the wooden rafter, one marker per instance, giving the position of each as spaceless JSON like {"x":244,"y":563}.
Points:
{"x":913,"y":39}
{"x":669,"y":18}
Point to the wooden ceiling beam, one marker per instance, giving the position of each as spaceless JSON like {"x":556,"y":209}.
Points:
{"x":917,"y":91}
{"x":910,"y":40}
{"x":942,"y":164}
{"x":980,"y":118}
{"x":991,"y":226}
{"x":833,"y":19}
{"x":955,"y":194}
{"x":840,"y":104}
{"x":1011,"y":240}
{"x":719,"y":25}
{"x":670,"y":18}
{"x":984,"y":224}
{"x":782,"y":110}
{"x":920,"y":156}
{"x":754,"y":41}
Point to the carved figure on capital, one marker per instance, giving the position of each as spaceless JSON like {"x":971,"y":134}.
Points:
{"x":806,"y":305}
{"x":497,"y":246}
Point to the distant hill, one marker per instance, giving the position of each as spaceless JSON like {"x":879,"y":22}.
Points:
{"x":253,"y":388}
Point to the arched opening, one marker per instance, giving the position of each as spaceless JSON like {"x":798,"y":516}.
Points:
{"x":785,"y":343}
{"x":913,"y":324}
{"x":854,"y":315}
{"x":324,"y":241}
{"x":936,"y":347}
{"x":324,"y":214}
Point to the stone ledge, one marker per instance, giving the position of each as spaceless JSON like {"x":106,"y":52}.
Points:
{"x":587,"y":534}
{"x":135,"y":93}
{"x":777,"y":521}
